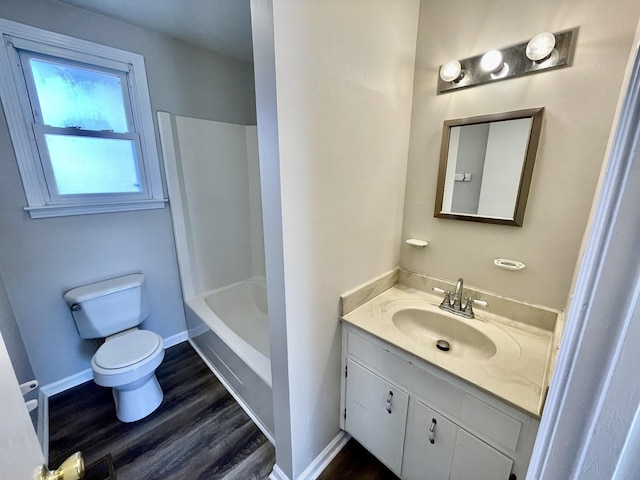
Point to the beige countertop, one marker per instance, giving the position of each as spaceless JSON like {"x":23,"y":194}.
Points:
{"x":516,"y":373}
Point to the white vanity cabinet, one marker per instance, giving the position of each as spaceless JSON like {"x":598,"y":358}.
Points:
{"x":439,"y":427}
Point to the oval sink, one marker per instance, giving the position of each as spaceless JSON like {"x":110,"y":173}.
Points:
{"x":427,"y":327}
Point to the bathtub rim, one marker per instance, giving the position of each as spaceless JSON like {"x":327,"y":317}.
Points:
{"x":258,"y":362}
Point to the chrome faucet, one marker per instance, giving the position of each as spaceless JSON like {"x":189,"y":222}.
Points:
{"x":455,"y":306}
{"x":457,"y":295}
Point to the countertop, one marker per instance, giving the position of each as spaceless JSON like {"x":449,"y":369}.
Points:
{"x":515,"y":374}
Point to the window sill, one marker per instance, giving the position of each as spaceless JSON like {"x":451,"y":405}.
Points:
{"x":85,"y":209}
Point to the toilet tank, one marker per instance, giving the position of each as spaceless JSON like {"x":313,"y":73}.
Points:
{"x":103,"y":308}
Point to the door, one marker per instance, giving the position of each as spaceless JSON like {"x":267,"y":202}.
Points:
{"x":20,"y":452}
{"x":376,"y":414}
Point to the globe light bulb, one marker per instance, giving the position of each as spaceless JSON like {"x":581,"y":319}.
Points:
{"x":540,"y":46}
{"x":491,"y":61}
{"x":451,"y":71}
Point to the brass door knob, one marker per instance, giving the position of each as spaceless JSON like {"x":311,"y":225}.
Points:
{"x":71,"y":469}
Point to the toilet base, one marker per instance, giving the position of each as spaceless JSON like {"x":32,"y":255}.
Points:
{"x":138,"y":399}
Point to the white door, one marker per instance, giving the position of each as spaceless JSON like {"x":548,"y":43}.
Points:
{"x":20,"y":452}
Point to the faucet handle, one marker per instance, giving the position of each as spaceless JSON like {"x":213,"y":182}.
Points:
{"x":447,"y":296}
{"x":468,"y":308}
{"x":482,"y":303}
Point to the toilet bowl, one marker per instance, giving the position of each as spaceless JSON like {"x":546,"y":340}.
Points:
{"x":126,"y":362}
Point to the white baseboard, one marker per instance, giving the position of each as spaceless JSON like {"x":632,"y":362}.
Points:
{"x":277,"y":474}
{"x":321,"y":462}
{"x":51,"y":389}
{"x":315,"y":468}
{"x":176,"y":339}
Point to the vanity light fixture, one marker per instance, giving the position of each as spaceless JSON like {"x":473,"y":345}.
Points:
{"x":542,"y":52}
{"x":451,"y":71}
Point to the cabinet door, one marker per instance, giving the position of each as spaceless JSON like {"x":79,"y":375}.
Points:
{"x":454,"y":453}
{"x":376,"y":414}
{"x":424,"y":460}
{"x":475,"y":459}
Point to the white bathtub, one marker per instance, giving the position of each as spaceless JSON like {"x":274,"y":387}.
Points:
{"x":229,"y":328}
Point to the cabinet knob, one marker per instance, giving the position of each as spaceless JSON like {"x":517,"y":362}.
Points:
{"x":389,"y":401}
{"x":432,"y":431}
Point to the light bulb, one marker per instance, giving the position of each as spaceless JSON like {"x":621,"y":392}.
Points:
{"x":491,"y":61}
{"x":451,"y":71}
{"x":540,"y":46}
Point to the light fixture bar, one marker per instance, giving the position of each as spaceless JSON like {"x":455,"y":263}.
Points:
{"x":516,"y":59}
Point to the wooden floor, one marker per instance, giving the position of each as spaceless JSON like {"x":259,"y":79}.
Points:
{"x":355,"y":463}
{"x":199,"y":432}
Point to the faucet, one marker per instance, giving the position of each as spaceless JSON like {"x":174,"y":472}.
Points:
{"x":457,"y":295}
{"x":455,"y":306}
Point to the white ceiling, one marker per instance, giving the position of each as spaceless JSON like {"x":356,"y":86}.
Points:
{"x":223,"y":26}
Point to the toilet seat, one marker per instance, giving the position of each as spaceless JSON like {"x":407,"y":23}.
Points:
{"x":126,"y":350}
{"x":125,"y":377}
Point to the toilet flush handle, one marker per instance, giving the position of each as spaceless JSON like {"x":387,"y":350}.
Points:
{"x":75,"y":307}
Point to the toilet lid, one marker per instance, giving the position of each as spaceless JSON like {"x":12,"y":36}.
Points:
{"x":127,"y":349}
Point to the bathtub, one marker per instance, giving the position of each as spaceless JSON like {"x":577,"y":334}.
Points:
{"x":228,"y":327}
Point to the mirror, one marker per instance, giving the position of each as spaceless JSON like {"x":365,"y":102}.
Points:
{"x":486,"y":165}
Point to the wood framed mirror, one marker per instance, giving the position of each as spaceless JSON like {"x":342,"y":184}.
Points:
{"x":486,"y":164}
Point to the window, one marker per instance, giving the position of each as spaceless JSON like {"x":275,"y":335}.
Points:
{"x":80,"y":121}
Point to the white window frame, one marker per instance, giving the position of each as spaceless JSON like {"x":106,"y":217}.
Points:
{"x":15,"y":99}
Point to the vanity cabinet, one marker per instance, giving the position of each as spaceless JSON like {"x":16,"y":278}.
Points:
{"x":424,"y":423}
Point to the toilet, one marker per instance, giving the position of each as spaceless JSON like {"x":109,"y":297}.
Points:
{"x":127,"y":361}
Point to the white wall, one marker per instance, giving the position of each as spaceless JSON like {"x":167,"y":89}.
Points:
{"x":589,"y":428}
{"x":255,"y":203}
{"x":262,"y":30}
{"x":580,"y":101}
{"x":40,"y":259}
{"x":343,"y":86}
{"x":12,"y":338}
{"x":214,"y":184}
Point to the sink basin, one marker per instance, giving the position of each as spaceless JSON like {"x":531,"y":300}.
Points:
{"x":427,"y":327}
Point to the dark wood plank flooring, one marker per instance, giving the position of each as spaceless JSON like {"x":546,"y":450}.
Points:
{"x":199,"y":432}
{"x":355,"y":463}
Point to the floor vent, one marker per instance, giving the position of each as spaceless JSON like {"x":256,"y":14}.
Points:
{"x":102,"y":469}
